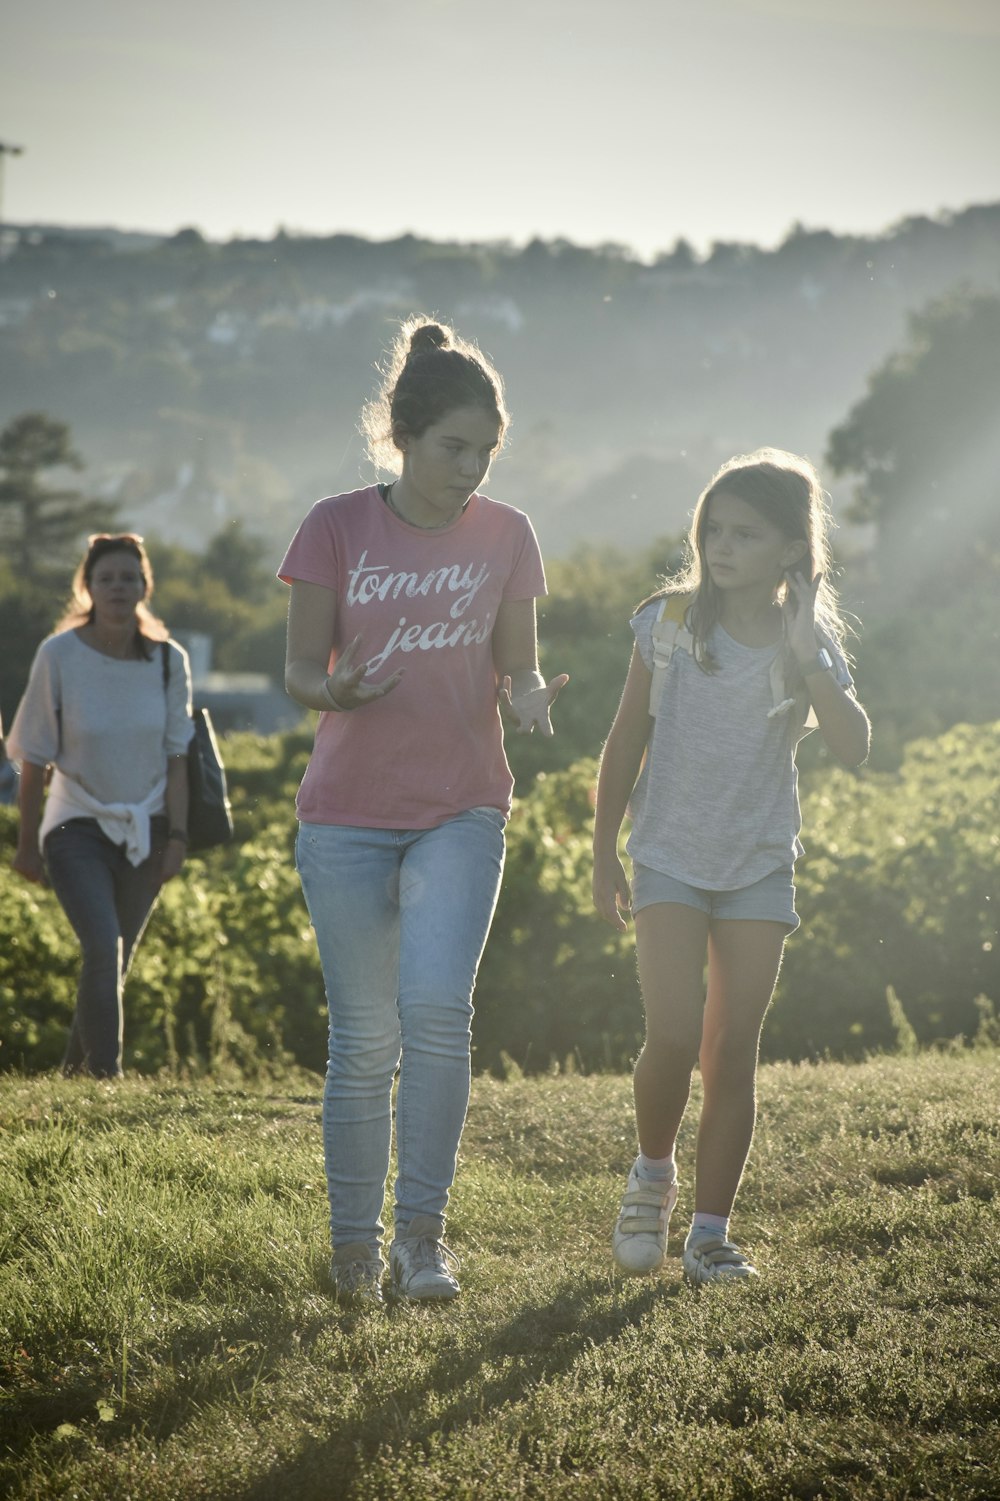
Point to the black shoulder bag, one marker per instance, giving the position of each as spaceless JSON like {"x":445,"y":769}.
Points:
{"x":210,"y":818}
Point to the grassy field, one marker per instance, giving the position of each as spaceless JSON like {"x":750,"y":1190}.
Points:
{"x":166,"y":1331}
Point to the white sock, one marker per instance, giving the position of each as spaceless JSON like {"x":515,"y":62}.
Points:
{"x":714,"y":1224}
{"x":657,"y":1169}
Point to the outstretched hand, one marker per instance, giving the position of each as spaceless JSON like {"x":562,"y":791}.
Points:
{"x":798,"y":612}
{"x":346,"y":685}
{"x":529,"y":709}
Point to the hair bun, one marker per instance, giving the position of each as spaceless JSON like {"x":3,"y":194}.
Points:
{"x":429,"y":336}
{"x":429,"y":372}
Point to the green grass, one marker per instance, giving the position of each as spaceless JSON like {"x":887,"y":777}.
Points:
{"x":166,"y":1331}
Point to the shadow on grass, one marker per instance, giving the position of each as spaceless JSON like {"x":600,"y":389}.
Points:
{"x":541,"y":1341}
{"x":263,"y":1342}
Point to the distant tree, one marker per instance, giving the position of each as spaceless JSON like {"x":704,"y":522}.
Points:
{"x":242,"y":560}
{"x":925,"y":446}
{"x":43,"y":525}
{"x":616,"y":357}
{"x":680,"y":258}
{"x":229,"y":592}
{"x":187,"y":239}
{"x":28,"y":612}
{"x":727,"y":255}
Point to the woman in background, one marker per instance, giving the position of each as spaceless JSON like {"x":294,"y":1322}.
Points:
{"x":102,"y":711}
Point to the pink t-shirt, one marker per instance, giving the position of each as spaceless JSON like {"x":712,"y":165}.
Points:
{"x":426,"y":601}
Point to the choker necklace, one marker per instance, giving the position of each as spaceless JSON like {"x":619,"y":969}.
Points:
{"x":435,"y":526}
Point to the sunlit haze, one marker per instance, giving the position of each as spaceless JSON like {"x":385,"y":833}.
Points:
{"x":638,"y":122}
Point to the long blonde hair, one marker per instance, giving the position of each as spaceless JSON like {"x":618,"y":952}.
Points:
{"x":786,"y":490}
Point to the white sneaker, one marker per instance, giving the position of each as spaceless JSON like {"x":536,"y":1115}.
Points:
{"x":639,"y":1242}
{"x":709,"y":1257}
{"x":421,"y":1266}
{"x":356,"y":1276}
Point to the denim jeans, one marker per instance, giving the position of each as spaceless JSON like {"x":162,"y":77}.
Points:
{"x":401,"y":919}
{"x":108,"y":901}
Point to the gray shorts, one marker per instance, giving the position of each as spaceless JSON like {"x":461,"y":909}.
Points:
{"x":771,"y":899}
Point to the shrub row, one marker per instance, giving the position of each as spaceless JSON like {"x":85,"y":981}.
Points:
{"x":898,"y":888}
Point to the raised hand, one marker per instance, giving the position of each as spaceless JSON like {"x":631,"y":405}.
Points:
{"x":346,"y":687}
{"x":798,"y":611}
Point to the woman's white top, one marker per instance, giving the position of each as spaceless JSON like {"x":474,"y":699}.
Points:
{"x":107,"y":726}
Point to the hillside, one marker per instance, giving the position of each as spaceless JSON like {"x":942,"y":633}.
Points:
{"x":205,"y":382}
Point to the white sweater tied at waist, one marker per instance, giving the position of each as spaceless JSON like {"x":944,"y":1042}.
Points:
{"x":123,"y":823}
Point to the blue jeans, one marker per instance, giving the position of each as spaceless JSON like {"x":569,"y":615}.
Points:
{"x":108,"y":901}
{"x":401,"y":919}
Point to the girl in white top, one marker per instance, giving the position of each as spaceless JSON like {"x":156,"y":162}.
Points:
{"x":733,"y":662}
{"x":101,"y":711}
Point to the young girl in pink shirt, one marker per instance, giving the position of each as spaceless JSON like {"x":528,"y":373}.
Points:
{"x":411,"y":619}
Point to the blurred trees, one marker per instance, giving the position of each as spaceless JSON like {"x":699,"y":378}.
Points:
{"x":43,"y":525}
{"x":583,"y":629}
{"x":28,"y":612}
{"x":921,"y":668}
{"x":606,"y":358}
{"x":924,"y":444}
{"x":227,"y":591}
{"x":143,"y":347}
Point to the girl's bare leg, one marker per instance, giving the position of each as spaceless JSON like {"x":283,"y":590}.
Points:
{"x":743,"y":962}
{"x":670,"y":946}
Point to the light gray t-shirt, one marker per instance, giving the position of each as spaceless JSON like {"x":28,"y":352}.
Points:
{"x":108,"y":724}
{"x":716,"y":804}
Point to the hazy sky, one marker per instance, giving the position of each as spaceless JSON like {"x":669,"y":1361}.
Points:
{"x":629,"y":120}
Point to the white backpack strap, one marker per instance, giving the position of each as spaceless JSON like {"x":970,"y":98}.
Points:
{"x":669,"y":634}
{"x":783,"y":700}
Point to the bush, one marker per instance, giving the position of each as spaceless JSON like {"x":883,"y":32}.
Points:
{"x":38,"y":967}
{"x":898,"y":888}
{"x":556,"y":985}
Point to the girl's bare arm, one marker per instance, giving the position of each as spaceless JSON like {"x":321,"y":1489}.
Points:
{"x":27,"y":859}
{"x":842,"y":721}
{"x":620,"y":766}
{"x":515,"y":658}
{"x":312,"y":621}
